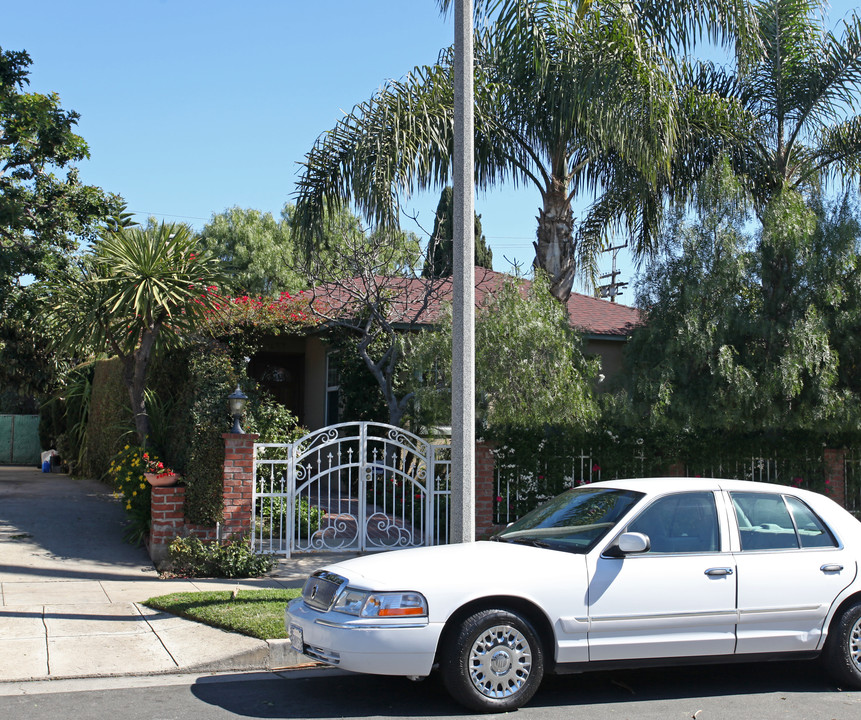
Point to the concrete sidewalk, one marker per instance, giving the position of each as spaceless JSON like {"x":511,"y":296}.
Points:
{"x":71,"y":588}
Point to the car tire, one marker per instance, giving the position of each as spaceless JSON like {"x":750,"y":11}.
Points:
{"x":842,"y":655}
{"x":493,"y":661}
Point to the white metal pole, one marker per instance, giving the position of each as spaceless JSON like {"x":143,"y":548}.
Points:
{"x":463,"y":331}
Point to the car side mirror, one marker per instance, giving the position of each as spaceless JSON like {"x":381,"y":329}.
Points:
{"x":630,"y":543}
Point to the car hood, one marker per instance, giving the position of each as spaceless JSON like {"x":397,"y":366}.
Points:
{"x":455,"y":564}
{"x":451,"y":575}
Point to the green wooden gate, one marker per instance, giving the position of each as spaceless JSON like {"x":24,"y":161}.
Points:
{"x":19,"y":440}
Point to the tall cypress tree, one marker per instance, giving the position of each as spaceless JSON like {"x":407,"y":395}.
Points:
{"x":439,"y":261}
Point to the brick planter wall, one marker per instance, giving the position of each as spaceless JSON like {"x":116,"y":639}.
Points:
{"x":167,"y":504}
{"x":168,"y":520}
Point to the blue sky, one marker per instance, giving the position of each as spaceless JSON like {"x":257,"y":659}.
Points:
{"x":193,"y":106}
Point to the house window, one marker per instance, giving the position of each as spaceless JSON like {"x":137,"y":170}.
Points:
{"x":333,"y":388}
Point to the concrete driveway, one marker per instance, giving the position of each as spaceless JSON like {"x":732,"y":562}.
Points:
{"x":71,"y":588}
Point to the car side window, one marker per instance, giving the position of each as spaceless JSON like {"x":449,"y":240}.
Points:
{"x":764,"y":521}
{"x":811,"y":530}
{"x":680,"y":523}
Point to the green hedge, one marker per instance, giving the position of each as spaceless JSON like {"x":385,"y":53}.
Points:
{"x":534,"y":464}
{"x":189,"y":389}
{"x":189,"y":415}
{"x":109,"y":421}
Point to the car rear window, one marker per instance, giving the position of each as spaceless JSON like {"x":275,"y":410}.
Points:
{"x":812,"y":532}
{"x":772,"y":521}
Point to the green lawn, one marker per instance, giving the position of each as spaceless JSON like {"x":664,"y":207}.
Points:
{"x":258,"y":613}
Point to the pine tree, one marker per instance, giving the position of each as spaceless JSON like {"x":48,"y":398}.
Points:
{"x":440,"y":254}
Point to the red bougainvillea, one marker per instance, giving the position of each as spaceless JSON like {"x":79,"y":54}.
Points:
{"x":283,"y":312}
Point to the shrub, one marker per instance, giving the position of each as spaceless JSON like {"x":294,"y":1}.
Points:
{"x":272,"y":513}
{"x":233,"y":558}
{"x":126,"y":472}
{"x":70,"y":415}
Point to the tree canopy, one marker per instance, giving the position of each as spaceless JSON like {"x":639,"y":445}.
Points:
{"x":540,"y":378}
{"x":136,"y":287}
{"x":715,"y":354}
{"x":258,"y":250}
{"x":263,"y":259}
{"x":43,"y":213}
{"x":570,"y":98}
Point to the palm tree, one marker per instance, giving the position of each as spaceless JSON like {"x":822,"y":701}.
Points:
{"x":138,"y":287}
{"x":570,"y":97}
{"x":800,"y":85}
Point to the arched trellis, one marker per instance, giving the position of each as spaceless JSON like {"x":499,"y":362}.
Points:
{"x":358,"y":486}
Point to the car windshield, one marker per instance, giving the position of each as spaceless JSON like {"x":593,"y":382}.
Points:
{"x":574,"y":521}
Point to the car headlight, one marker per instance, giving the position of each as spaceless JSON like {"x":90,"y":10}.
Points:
{"x":362,"y":603}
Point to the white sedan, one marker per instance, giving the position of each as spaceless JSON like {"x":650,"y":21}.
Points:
{"x":613,"y":574}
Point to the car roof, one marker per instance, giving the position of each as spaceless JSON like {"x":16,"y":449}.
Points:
{"x":661,"y":485}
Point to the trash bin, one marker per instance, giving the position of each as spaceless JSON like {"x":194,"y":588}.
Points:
{"x":48,"y":460}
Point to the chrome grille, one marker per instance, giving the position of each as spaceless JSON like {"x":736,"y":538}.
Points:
{"x":321,"y":589}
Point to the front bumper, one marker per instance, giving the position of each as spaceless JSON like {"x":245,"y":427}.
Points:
{"x":365,"y":645}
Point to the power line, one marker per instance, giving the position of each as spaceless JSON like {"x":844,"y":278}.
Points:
{"x":155,"y":214}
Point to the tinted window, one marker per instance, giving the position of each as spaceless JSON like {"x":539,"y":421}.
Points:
{"x":811,"y":530}
{"x":764,"y":521}
{"x":681,"y":523}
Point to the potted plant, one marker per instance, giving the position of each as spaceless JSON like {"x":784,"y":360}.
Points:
{"x":157,"y":474}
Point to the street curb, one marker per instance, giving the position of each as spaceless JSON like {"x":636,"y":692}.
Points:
{"x":282,"y":655}
{"x":278,"y":656}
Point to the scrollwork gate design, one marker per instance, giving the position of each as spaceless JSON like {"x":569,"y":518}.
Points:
{"x":358,"y":486}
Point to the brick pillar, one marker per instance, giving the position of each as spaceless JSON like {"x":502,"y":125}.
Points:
{"x":677,"y":469}
{"x":835,"y":476}
{"x":485,"y":490}
{"x":168,"y":520}
{"x":238,"y":483}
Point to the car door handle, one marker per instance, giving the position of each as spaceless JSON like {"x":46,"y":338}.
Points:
{"x":718,"y":572}
{"x":831,"y":568}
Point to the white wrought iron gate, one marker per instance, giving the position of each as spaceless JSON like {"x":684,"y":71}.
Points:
{"x":358,"y":486}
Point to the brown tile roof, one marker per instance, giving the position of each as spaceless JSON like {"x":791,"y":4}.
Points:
{"x":411,"y":304}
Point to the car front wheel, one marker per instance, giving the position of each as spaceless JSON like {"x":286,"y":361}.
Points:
{"x":843,"y":648}
{"x":493,"y":662}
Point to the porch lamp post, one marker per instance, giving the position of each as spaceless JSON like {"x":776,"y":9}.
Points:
{"x":236,"y":402}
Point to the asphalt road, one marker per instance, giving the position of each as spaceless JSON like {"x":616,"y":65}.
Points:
{"x":791,"y":691}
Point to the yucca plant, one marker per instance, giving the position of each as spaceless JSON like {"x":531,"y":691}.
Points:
{"x":136,"y":288}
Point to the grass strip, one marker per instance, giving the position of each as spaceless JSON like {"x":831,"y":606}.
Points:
{"x":258,"y":613}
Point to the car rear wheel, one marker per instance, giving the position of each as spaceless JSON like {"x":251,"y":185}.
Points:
{"x":843,"y":648}
{"x":493,"y":662}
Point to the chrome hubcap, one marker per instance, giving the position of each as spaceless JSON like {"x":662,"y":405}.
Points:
{"x":855,"y":644}
{"x":500,"y":661}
